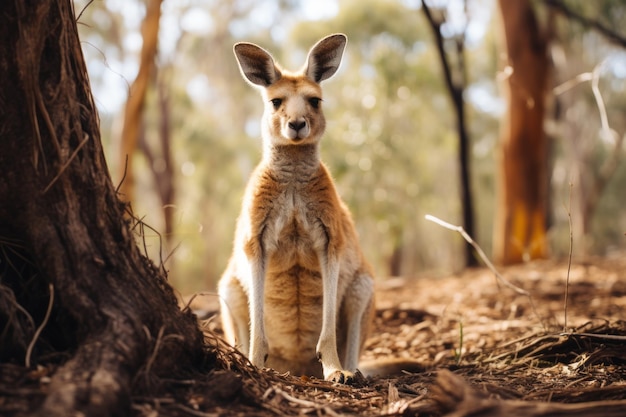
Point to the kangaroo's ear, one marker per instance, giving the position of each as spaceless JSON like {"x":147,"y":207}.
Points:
{"x":325,"y":56}
{"x":256,"y":64}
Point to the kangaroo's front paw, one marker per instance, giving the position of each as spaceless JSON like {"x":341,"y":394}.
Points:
{"x":341,"y":377}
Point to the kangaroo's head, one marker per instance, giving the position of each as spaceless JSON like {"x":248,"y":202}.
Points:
{"x":293,"y":100}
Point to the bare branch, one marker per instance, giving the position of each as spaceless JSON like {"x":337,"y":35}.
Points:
{"x":486,"y":260}
{"x":606,"y":132}
{"x":608,"y":33}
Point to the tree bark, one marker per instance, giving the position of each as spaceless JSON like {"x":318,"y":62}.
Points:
{"x":521,"y":212}
{"x":62,"y":227}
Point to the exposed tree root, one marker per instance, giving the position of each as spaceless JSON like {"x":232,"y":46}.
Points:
{"x":458,"y":399}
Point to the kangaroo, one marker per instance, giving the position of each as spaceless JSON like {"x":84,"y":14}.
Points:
{"x":297,"y":294}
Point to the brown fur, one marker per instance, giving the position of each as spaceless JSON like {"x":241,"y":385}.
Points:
{"x":297,"y":286}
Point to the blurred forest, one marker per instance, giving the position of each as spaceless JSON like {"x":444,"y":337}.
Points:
{"x":391,"y":140}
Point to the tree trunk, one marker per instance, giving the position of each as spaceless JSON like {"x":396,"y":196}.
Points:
{"x":161,"y":162}
{"x":62,"y":228}
{"x":137,"y":97}
{"x":520,"y":225}
{"x":456,"y":83}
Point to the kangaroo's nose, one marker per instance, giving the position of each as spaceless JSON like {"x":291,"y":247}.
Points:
{"x":297,"y":125}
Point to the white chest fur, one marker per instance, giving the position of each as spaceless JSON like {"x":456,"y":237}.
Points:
{"x":294,"y":234}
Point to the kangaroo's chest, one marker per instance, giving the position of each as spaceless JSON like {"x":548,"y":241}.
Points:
{"x":293,"y":233}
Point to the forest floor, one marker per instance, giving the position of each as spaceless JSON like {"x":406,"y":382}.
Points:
{"x":483,"y":348}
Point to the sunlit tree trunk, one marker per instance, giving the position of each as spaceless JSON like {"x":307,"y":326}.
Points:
{"x":137,"y":97}
{"x":161,"y":161}
{"x":520,"y":224}
{"x":114,"y":323}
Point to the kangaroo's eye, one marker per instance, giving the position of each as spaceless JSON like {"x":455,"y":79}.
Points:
{"x":315,"y":102}
{"x":276,"y":102}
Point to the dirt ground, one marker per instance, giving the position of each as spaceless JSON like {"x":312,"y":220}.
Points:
{"x":485,"y":348}
{"x":482,"y":348}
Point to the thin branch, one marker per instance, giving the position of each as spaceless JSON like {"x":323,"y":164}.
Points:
{"x":172,"y":252}
{"x":303,"y":403}
{"x":486,"y":260}
{"x":569,"y":262}
{"x":10,"y":296}
{"x":569,"y":84}
{"x":156,"y":232}
{"x":117,"y":189}
{"x":606,"y":132}
{"x":607,"y":32}
{"x":83,"y":10}
{"x":600,"y":336}
{"x":29,"y":351}
{"x":161,"y":339}
{"x":445,"y":64}
{"x":67,"y":163}
{"x":193,"y":297}
{"x":288,"y":397}
{"x":139,"y":222}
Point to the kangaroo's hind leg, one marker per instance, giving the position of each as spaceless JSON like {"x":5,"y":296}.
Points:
{"x":235,"y":313}
{"x":356,"y":315}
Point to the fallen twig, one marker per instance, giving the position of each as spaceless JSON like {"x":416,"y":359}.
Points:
{"x":486,"y":260}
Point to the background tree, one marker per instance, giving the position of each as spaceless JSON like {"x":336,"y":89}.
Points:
{"x":133,"y":112}
{"x":589,"y":113}
{"x":160,"y":161}
{"x":151,"y":90}
{"x":455,"y":74}
{"x":64,"y":241}
{"x":521,"y":221}
{"x":391,"y":139}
